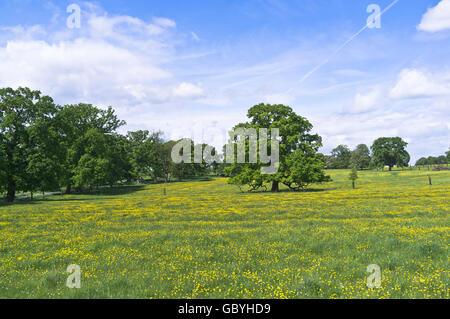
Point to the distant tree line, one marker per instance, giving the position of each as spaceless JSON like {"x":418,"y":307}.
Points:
{"x":47,"y":147}
{"x":431,"y":160}
{"x":385,"y":151}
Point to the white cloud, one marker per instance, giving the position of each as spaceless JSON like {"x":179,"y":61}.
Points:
{"x":111,"y":60}
{"x":164,"y":22}
{"x":419,"y":125}
{"x":436,"y":18}
{"x":21,"y":33}
{"x":368,"y":100}
{"x":396,"y":110}
{"x":79,"y":69}
{"x":412,"y":83}
{"x":188,"y":90}
{"x":154,"y":81}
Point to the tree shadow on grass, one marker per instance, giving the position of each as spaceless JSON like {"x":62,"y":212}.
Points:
{"x":111,"y":191}
{"x":197,"y":179}
{"x":184,"y":180}
{"x":78,"y":196}
{"x":101,"y":191}
{"x":284,"y":191}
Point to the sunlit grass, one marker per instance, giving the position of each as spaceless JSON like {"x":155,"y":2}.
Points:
{"x":206,"y":239}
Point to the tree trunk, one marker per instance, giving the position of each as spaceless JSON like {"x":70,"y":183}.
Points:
{"x":353,"y":184}
{"x":11,"y":189}
{"x":275,"y":186}
{"x":10,"y":195}
{"x":429,"y":180}
{"x":31,"y":195}
{"x":390,"y":168}
{"x":166,"y":177}
{"x":68,"y":189}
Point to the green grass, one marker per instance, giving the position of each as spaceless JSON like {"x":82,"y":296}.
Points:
{"x":206,"y":239}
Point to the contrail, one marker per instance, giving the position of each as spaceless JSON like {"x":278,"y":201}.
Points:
{"x":307,"y":75}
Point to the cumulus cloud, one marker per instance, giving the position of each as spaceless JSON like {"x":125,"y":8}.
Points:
{"x":436,"y":18}
{"x":412,"y":83}
{"x":396,"y":109}
{"x":76,"y":69}
{"x":117,"y":60}
{"x":139,"y":67}
{"x":188,"y":90}
{"x":417,"y":125}
{"x":366,"y":101}
{"x":22,"y":32}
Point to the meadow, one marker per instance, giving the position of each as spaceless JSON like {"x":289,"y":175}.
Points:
{"x":206,"y":239}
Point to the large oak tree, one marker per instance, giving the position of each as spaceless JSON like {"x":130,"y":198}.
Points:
{"x":390,"y":151}
{"x":299,"y":163}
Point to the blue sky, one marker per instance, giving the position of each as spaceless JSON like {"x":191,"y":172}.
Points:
{"x":193,"y":68}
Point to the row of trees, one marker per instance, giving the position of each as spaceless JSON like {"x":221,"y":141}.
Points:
{"x":385,"y":151}
{"x":46,"y":147}
{"x":431,"y":160}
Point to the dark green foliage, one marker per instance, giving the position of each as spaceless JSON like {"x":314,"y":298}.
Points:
{"x":360,"y":157}
{"x":299,"y":162}
{"x":143,"y":148}
{"x":29,"y":146}
{"x":430,"y":160}
{"x":3,"y":165}
{"x":305,"y":167}
{"x":340,"y":158}
{"x":390,"y":151}
{"x":44,"y":146}
{"x":422,"y":161}
{"x":104,"y":160}
{"x":79,"y":124}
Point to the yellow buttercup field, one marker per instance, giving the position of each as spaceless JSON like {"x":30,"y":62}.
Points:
{"x":206,"y":239}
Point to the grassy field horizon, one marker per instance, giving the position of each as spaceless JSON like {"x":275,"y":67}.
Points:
{"x":206,"y":239}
